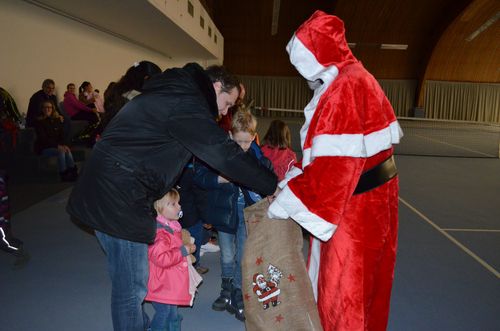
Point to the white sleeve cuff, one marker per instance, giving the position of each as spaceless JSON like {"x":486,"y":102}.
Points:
{"x":292,"y":173}
{"x":276,"y":211}
{"x":287,"y":204}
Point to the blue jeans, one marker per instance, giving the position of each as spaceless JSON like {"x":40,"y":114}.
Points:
{"x":129,"y":270}
{"x":198,"y":232}
{"x":64,"y":159}
{"x":165,"y":315}
{"x":232,"y":247}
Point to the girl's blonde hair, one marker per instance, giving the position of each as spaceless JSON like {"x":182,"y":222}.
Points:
{"x":278,"y":135}
{"x":172,"y":195}
{"x":54,"y":113}
{"x":244,"y":121}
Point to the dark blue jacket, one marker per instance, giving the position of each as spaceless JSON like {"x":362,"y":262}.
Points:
{"x":221,"y":208}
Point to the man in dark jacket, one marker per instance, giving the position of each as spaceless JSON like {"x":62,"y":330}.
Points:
{"x":139,"y":158}
{"x":36,"y":100}
{"x":35,"y":107}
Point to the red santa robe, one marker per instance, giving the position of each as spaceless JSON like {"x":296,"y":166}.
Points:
{"x":349,"y":128}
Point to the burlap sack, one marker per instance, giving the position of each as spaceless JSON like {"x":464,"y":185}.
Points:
{"x":276,"y":289}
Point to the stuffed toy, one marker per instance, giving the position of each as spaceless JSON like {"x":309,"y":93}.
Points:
{"x":187,"y":239}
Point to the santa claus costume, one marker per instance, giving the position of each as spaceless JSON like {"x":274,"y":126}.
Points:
{"x":345,"y":191}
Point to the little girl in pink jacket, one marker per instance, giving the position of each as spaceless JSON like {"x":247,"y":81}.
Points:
{"x":172,"y":278}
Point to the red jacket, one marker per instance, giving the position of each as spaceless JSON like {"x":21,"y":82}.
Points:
{"x":168,"y":269}
{"x":282,"y":159}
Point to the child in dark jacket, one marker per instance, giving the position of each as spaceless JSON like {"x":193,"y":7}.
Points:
{"x":226,"y":201}
{"x":172,"y":279}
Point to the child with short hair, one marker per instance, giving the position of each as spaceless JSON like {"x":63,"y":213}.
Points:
{"x":172,"y":279}
{"x":226,"y":201}
{"x":277,"y":148}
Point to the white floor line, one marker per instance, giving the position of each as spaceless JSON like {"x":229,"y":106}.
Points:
{"x":453,"y":240}
{"x":456,"y":146}
{"x":470,"y":230}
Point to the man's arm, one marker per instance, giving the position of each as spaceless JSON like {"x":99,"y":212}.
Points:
{"x":201,"y":135}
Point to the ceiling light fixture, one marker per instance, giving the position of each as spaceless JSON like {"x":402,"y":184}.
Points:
{"x":276,"y":14}
{"x":483,"y":27}
{"x":399,"y":47}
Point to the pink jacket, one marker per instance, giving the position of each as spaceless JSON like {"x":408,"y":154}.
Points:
{"x":72,"y":105}
{"x":168,"y":268}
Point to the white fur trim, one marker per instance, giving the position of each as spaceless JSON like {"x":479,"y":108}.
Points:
{"x":303,"y":59}
{"x":292,"y":173}
{"x":310,"y":68}
{"x":287,"y":204}
{"x":314,"y":264}
{"x":355,"y":145}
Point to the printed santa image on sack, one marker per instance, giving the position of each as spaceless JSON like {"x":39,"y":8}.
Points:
{"x":276,"y":288}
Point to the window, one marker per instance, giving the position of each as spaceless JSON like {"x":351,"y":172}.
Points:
{"x":202,"y":22}
{"x":209,"y":31}
{"x":190,"y":9}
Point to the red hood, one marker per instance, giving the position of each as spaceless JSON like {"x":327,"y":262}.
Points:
{"x":319,"y":43}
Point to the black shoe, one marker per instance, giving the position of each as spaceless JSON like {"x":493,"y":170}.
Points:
{"x":224,"y":298}
{"x":235,"y":305}
{"x":69,"y":175}
{"x":22,"y":257}
{"x":74,"y":171}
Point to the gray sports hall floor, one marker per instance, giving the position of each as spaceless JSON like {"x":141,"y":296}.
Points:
{"x":447,"y":272}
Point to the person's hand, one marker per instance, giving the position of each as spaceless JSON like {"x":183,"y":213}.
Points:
{"x":271,"y":198}
{"x":191,"y":248}
{"x":207,"y":226}
{"x":61,"y":118}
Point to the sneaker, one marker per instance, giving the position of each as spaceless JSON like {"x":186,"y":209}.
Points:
{"x":209,"y":248}
{"x":201,"y":270}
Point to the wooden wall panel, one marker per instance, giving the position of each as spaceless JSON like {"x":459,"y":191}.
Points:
{"x":456,"y":59}
{"x":251,"y":50}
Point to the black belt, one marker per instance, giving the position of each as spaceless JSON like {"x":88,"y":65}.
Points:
{"x":377,"y":176}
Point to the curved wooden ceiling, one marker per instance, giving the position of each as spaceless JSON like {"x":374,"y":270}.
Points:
{"x":250,"y":49}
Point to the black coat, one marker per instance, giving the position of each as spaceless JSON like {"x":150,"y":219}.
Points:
{"x":145,"y":148}
{"x":49,"y":133}
{"x":35,"y":107}
{"x":193,"y":198}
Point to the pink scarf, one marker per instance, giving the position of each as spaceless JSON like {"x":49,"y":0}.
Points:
{"x":173,"y":224}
